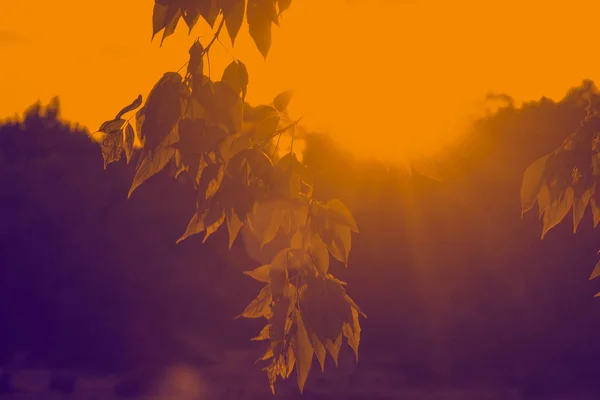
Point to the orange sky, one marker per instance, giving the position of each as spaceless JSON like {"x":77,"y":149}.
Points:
{"x":402,"y":74}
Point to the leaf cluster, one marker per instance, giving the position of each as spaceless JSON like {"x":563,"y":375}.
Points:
{"x":567,"y":180}
{"x":259,"y":14}
{"x":211,"y":137}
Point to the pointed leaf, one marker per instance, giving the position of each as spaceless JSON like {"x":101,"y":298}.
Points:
{"x":557,"y":210}
{"x":112,"y":147}
{"x":318,"y":250}
{"x":282,"y":100}
{"x":532,"y":183}
{"x":320,"y":351}
{"x":196,"y":225}
{"x":260,"y":306}
{"x":234,"y":16}
{"x":162,"y":110}
{"x":333,"y":347}
{"x":278,"y":274}
{"x":213,"y":220}
{"x":267,"y":128}
{"x":263,"y":335}
{"x":283,"y":5}
{"x":129,"y":138}
{"x":579,"y":207}
{"x":150,"y":164}
{"x":340,"y":214}
{"x":261,"y":274}
{"x":303,"y":352}
{"x":234,"y":224}
{"x":135,"y":104}
{"x":259,"y":17}
{"x":596,"y":272}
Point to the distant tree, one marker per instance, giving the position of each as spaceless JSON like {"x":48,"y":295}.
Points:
{"x":226,"y":149}
{"x":568,"y":178}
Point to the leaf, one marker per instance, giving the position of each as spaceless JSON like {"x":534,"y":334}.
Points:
{"x":190,"y":14}
{"x":112,"y":146}
{"x":278,"y":274}
{"x":234,"y":16}
{"x":228,"y":107}
{"x":557,"y":210}
{"x":112,"y":126}
{"x":333,"y":347}
{"x":283,"y":5}
{"x":341,"y":243}
{"x":171,"y":26}
{"x":213,"y":220}
{"x":282,"y":100}
{"x":236,"y":76}
{"x":162,"y":110}
{"x":320,"y":351}
{"x":135,"y":104}
{"x":263,"y":335}
{"x":258,"y":15}
{"x":352,"y":332}
{"x":129,"y":138}
{"x":303,"y":352}
{"x":150,"y":164}
{"x":267,"y":128}
{"x":320,"y":254}
{"x":261,"y":274}
{"x":234,"y":224}
{"x":260,"y":306}
{"x":195,"y":226}
{"x":195,"y":66}
{"x":579,"y":207}
{"x":532,"y":182}
{"x":163,"y":15}
{"x":265,"y":220}
{"x":340,"y":214}
{"x":596,"y":272}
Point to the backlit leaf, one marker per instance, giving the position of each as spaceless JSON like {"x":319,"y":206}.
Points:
{"x":112,"y":147}
{"x":263,"y":335}
{"x":283,"y":5}
{"x":150,"y":164}
{"x":258,"y":15}
{"x":333,"y":347}
{"x":596,"y":272}
{"x":532,"y":182}
{"x":341,"y":214}
{"x":236,"y":76}
{"x":162,"y":110}
{"x":303,"y":352}
{"x":234,"y":16}
{"x":282,"y":100}
{"x":234,"y":224}
{"x":129,"y":138}
{"x":318,"y":249}
{"x":278,"y":274}
{"x":135,"y":104}
{"x":171,"y":26}
{"x":557,"y":210}
{"x":267,"y":128}
{"x":579,"y":207}
{"x":261,"y":274}
{"x":319,"y":348}
{"x":260,"y":306}
{"x":195,"y":226}
{"x":213,"y":220}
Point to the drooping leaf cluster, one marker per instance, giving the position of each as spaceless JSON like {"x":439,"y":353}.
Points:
{"x":260,"y":16}
{"x":567,"y":179}
{"x":218,"y":142}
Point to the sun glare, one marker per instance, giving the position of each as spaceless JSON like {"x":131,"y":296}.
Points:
{"x":393,"y":79}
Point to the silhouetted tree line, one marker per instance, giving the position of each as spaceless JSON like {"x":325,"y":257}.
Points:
{"x":458,"y":288}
